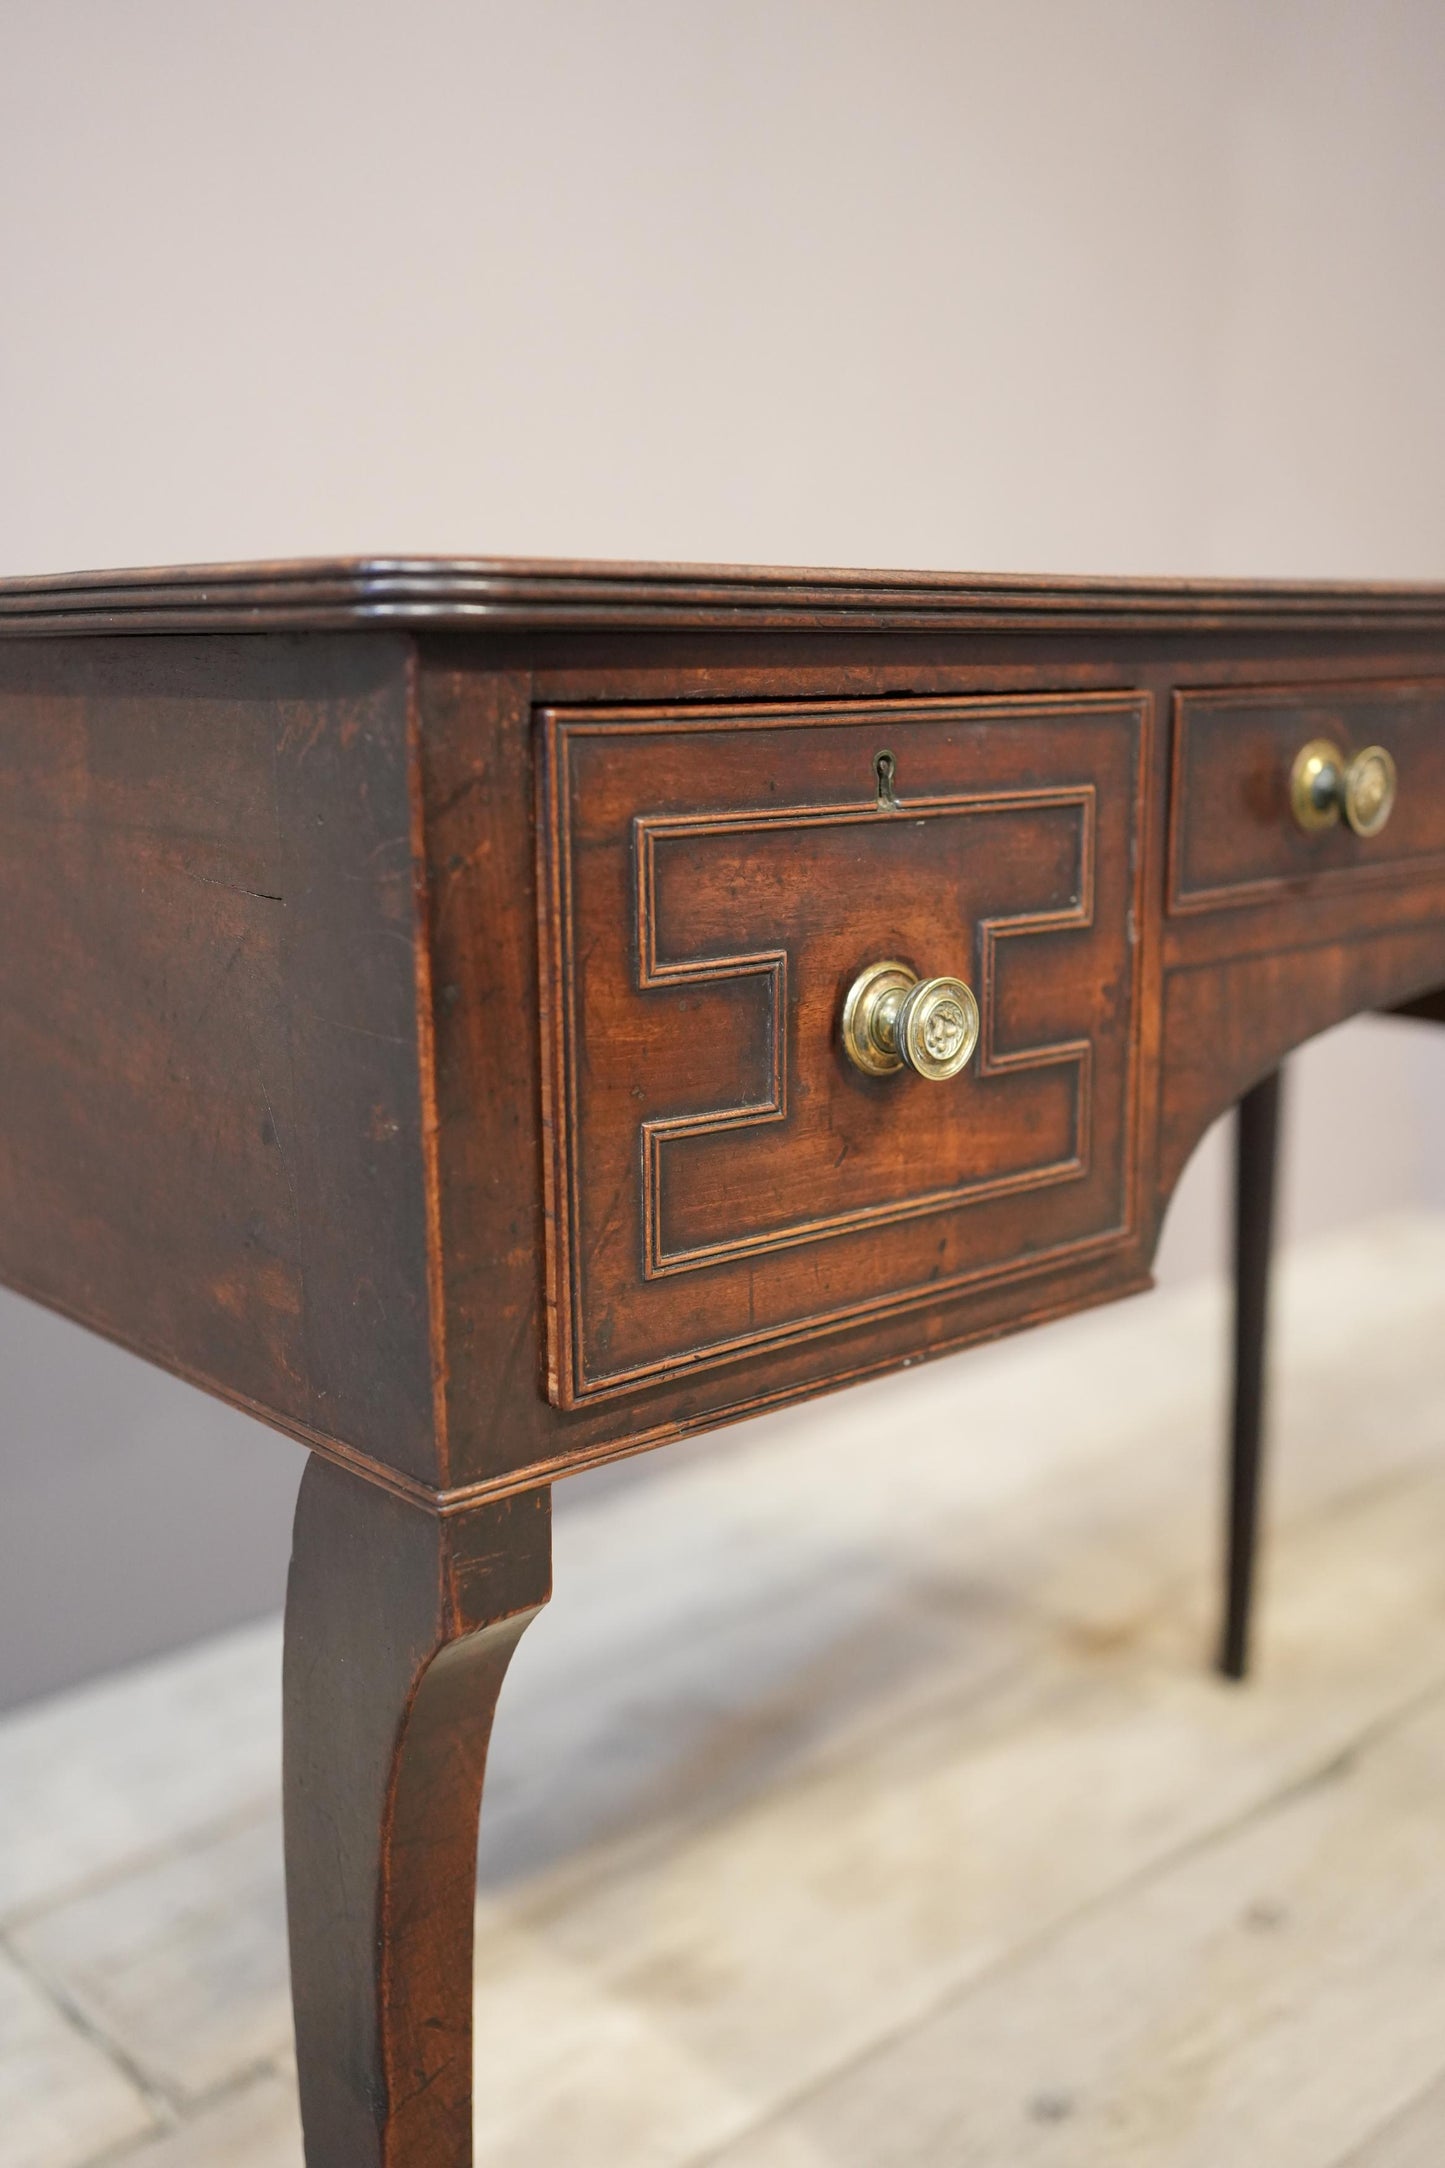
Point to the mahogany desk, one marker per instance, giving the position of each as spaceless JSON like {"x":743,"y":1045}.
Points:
{"x":441,"y":1011}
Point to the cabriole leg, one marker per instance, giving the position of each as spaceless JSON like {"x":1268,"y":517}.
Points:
{"x":399,"y":1627}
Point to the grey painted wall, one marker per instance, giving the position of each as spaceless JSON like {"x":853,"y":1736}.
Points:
{"x":135,"y":1512}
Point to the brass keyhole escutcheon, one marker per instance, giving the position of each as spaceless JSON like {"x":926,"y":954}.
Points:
{"x":1323,"y":785}
{"x":892,"y":1020}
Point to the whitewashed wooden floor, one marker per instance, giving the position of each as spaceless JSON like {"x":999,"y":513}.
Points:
{"x":864,"y":1798}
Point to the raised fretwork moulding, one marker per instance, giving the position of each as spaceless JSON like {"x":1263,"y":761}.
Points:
{"x":722,"y":1179}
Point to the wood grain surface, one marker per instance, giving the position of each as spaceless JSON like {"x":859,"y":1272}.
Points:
{"x":211,"y":1129}
{"x":1232,"y":837}
{"x":1220,"y":997}
{"x":319,"y":1041}
{"x":716,"y":883}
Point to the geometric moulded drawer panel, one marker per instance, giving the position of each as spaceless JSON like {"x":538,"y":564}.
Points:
{"x":1233,"y":836}
{"x":721,"y":1178}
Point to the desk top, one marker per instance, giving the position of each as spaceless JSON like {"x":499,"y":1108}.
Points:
{"x":467,"y":593}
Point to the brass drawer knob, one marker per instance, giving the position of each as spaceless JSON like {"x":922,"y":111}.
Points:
{"x":1323,"y":785}
{"x":892,"y":1019}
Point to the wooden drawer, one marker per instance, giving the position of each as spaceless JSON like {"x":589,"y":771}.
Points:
{"x":1233,"y":837}
{"x":722,"y":1180}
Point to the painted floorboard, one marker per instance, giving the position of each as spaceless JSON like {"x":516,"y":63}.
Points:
{"x":63,"y":2100}
{"x":1271,"y":1996}
{"x":1415,"y":2138}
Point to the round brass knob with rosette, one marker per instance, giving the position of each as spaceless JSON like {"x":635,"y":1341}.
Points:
{"x":893,"y":1019}
{"x":1323,"y":785}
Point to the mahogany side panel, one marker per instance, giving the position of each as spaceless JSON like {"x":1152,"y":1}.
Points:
{"x":211,"y":1132}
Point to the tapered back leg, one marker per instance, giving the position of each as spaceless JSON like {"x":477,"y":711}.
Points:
{"x":1257,"y":1152}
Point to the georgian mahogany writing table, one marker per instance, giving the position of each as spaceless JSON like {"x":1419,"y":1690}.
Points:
{"x":486,"y":1018}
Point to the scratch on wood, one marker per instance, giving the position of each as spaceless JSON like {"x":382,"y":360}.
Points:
{"x":234,"y":888}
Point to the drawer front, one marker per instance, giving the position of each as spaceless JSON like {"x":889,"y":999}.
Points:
{"x":1234,"y":838}
{"x":722,"y":1178}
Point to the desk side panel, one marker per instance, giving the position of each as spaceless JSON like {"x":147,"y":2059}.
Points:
{"x":210,"y":1103}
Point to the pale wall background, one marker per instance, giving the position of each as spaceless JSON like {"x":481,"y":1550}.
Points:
{"x":1148,"y":288}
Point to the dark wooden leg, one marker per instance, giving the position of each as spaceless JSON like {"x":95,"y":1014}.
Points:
{"x":399,"y":1627}
{"x":1254,"y":1194}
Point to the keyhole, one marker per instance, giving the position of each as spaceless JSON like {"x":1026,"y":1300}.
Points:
{"x":885,"y":767}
